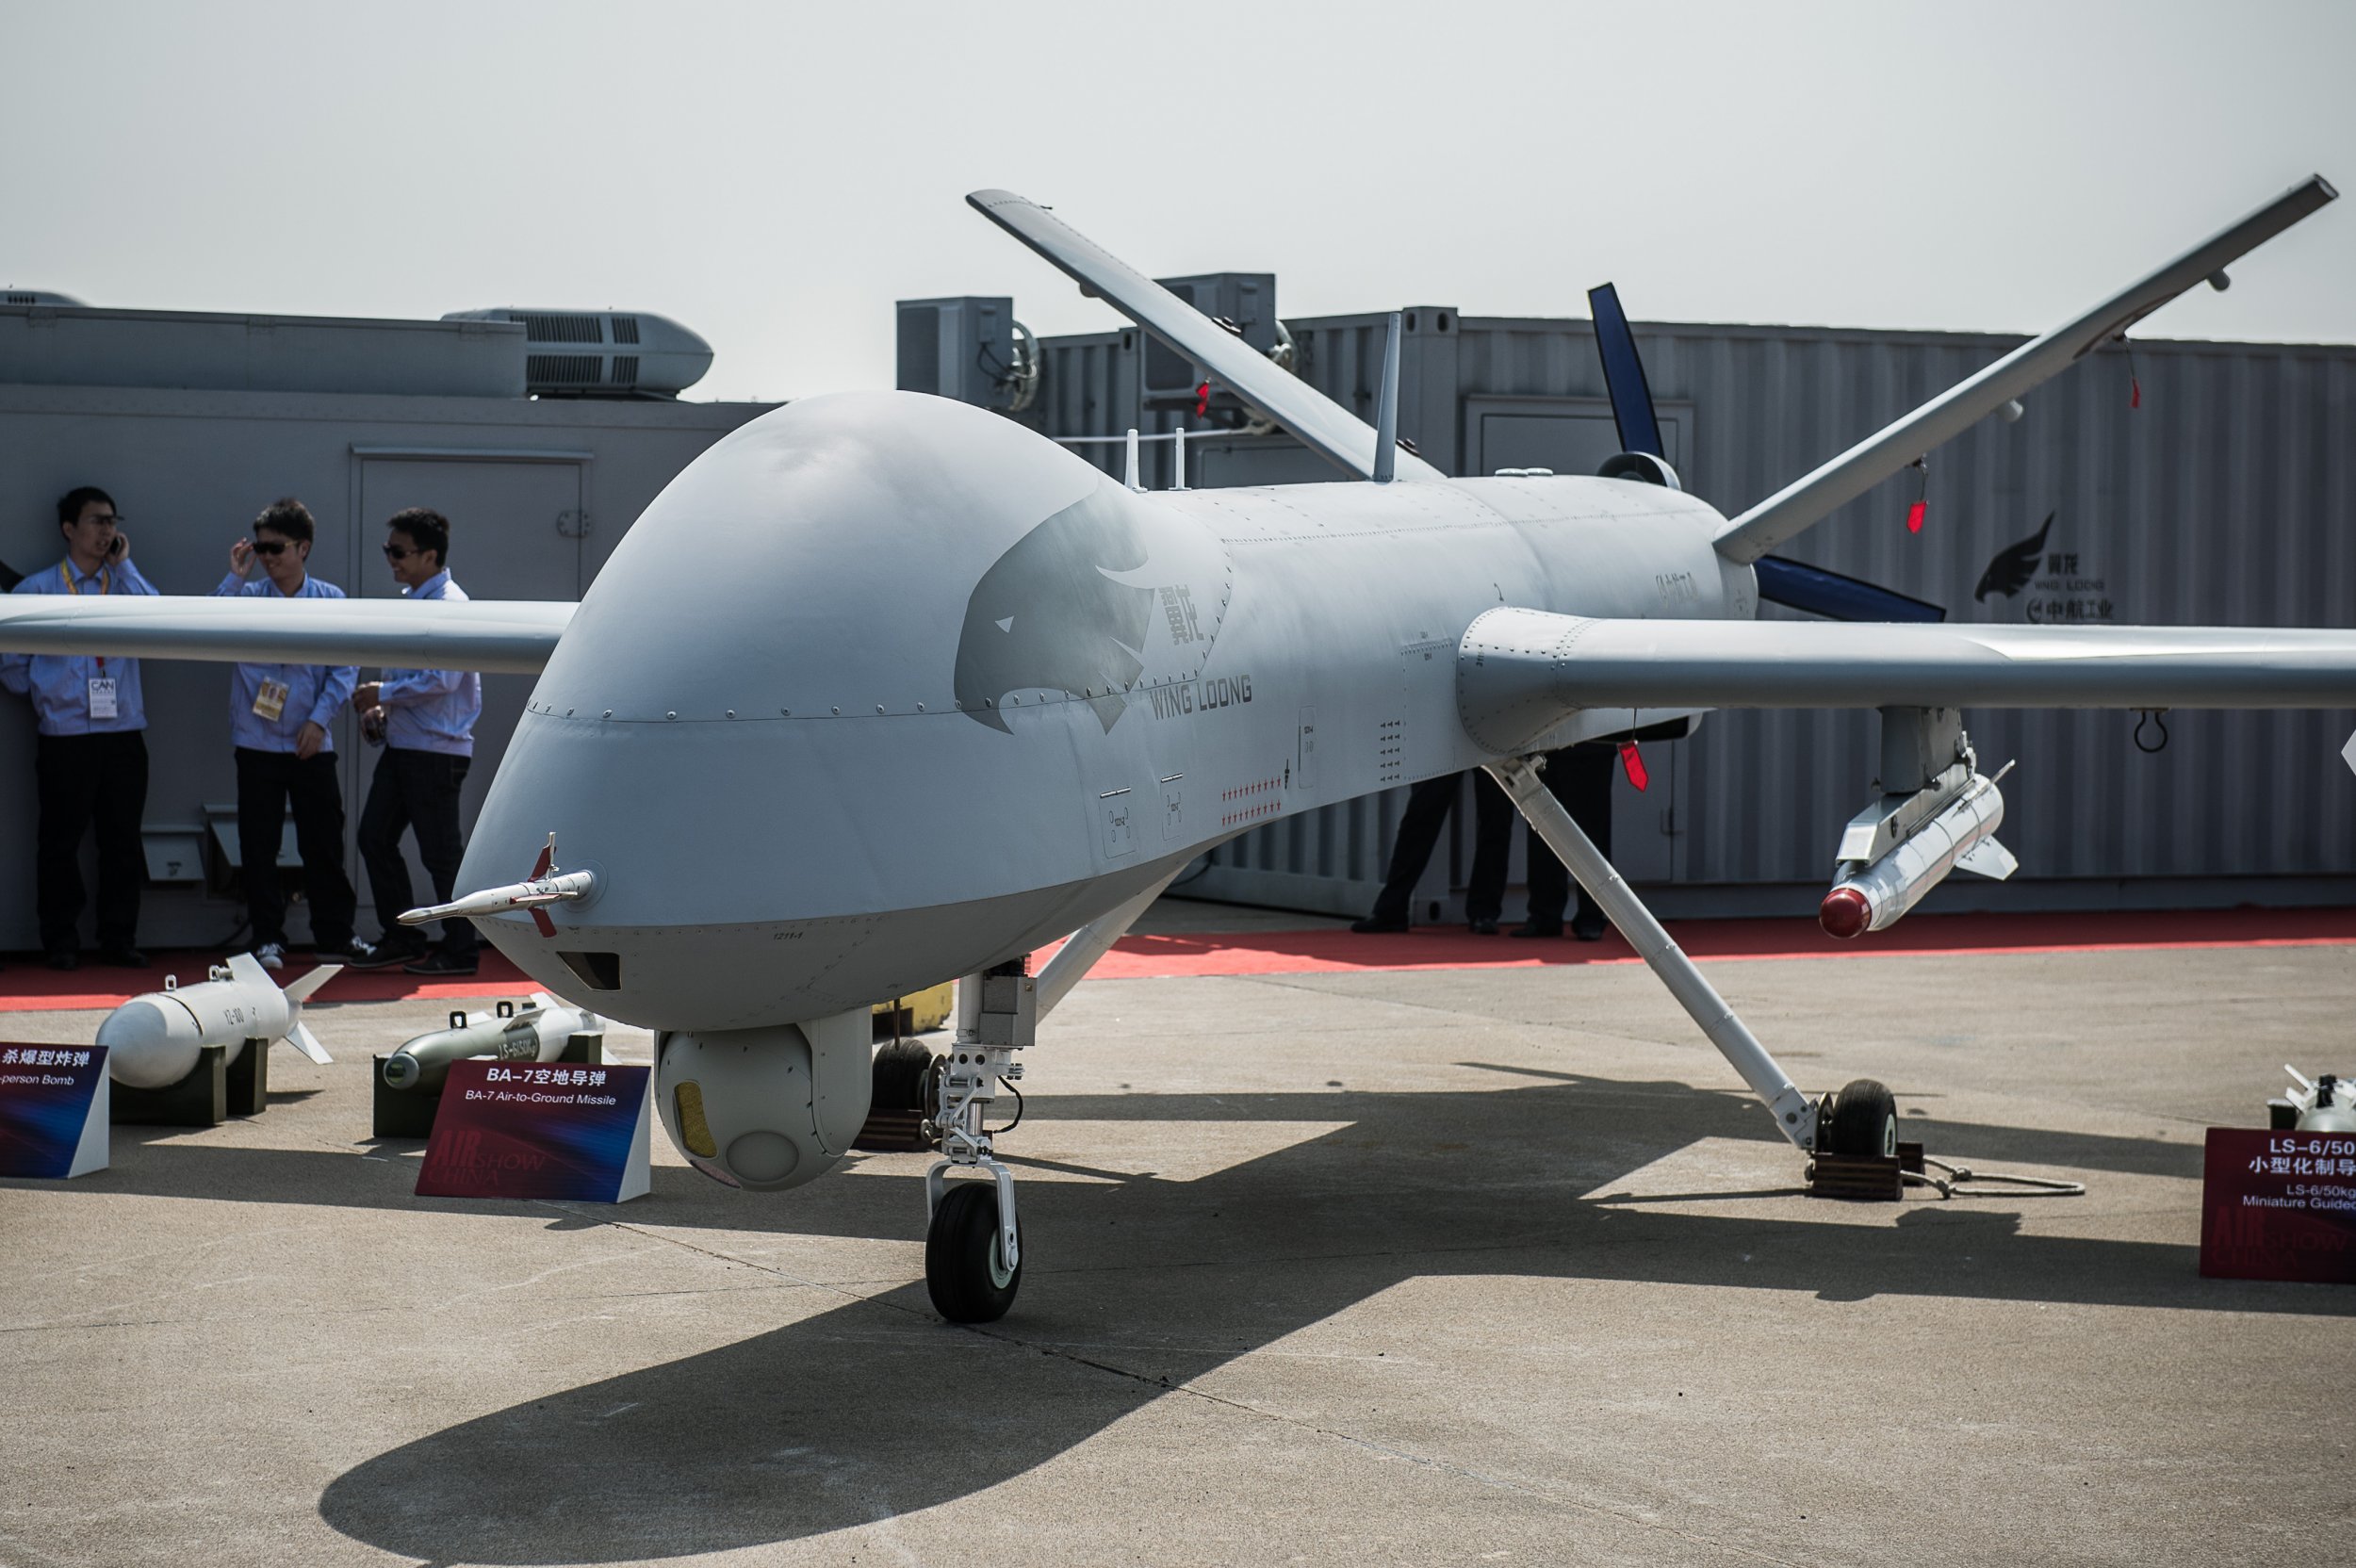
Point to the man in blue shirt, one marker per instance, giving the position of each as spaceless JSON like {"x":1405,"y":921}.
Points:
{"x":279,"y":719}
{"x":90,"y":761}
{"x":427,"y":719}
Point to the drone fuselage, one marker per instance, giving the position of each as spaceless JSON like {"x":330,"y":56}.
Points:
{"x":883,"y":688}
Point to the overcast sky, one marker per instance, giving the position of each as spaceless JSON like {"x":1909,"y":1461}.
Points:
{"x":776,"y":175}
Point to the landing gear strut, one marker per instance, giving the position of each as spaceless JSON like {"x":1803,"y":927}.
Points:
{"x":974,"y":1243}
{"x":1795,"y":1118}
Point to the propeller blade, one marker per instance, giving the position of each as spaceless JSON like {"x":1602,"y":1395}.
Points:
{"x":1837,"y":598}
{"x":1624,"y":375}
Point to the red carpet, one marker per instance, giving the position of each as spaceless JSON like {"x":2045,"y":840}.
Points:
{"x":29,"y":988}
{"x":1336,"y":951}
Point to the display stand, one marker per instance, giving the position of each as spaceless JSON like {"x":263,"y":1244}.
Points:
{"x":214,"y":1090}
{"x":540,"y":1131}
{"x":409,"y":1112}
{"x":2278,"y":1205}
{"x":53,"y":1110}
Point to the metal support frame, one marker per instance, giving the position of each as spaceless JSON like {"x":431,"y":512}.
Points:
{"x":1794,"y":1114}
{"x":997,"y":1016}
{"x":1089,"y":943}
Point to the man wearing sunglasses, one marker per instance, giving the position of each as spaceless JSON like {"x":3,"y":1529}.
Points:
{"x":280,"y":719}
{"x":427,"y":719}
{"x":90,"y":761}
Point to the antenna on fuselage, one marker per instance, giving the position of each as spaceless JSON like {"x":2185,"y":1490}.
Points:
{"x":1130,"y":478}
{"x":1386,"y":410}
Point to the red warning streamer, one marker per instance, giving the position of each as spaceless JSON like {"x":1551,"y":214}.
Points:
{"x":1632,"y":763}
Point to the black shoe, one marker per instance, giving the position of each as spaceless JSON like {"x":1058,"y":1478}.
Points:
{"x":440,"y":962}
{"x":392,"y":951}
{"x":345,"y":952}
{"x":1591,"y":928}
{"x":62,"y":960}
{"x":1482,"y":927}
{"x":1538,"y":928}
{"x":1372,"y":925}
{"x":122,"y":957}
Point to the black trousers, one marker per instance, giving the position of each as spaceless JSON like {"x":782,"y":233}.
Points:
{"x":85,"y":781}
{"x":1581,"y":778}
{"x":1428,"y":806}
{"x":266,"y":782}
{"x":415,"y":790}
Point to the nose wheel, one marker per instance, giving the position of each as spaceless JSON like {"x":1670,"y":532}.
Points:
{"x":967,"y":1269}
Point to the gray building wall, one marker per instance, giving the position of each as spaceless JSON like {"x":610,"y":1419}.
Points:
{"x":2227,"y":498}
{"x":538,"y":493}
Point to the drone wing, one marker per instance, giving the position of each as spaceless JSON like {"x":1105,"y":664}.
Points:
{"x":1324,"y":426}
{"x":502,"y":636}
{"x":1521,"y":672}
{"x":1814,"y":495}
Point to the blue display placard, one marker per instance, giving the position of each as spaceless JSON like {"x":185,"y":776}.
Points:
{"x":53,"y":1110}
{"x":540,"y":1130}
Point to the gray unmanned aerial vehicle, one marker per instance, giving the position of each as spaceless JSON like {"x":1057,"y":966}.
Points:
{"x":1085,"y":685}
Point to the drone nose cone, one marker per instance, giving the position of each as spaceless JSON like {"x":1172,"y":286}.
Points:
{"x":1845,"y":913}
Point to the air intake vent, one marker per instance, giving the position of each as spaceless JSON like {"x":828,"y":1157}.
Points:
{"x":564,"y":369}
{"x":24,"y":298}
{"x":564,"y":328}
{"x":652,"y":357}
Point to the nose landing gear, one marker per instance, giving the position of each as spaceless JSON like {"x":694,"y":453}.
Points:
{"x":973,"y":1245}
{"x":969,"y":1270}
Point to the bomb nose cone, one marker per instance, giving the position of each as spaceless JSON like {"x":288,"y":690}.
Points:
{"x":147,"y":1045}
{"x":401,"y":1070}
{"x":1845,"y":913}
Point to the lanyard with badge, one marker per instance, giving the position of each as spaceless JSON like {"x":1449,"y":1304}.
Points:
{"x":102,"y":691}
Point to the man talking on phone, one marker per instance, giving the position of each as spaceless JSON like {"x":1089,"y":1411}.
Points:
{"x":90,"y":761}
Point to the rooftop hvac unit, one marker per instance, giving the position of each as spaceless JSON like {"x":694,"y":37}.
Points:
{"x":966,"y":348}
{"x":602,"y":353}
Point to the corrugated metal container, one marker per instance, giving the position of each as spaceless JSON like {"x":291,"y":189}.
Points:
{"x":2207,"y":483}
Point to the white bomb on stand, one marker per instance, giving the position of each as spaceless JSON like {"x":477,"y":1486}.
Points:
{"x":154,"y":1040}
{"x":538,"y":1033}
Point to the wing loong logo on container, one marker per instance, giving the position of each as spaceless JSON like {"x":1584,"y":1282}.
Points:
{"x":2010,"y":569}
{"x":1072,"y":606}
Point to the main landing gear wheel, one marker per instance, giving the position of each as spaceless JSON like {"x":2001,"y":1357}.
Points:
{"x":901,"y":1079}
{"x":965,"y":1267}
{"x":1864,"y":1122}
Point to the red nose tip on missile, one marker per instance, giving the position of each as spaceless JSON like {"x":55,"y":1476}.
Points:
{"x":1844,"y":913}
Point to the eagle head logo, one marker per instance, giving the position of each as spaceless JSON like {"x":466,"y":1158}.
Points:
{"x":2012,"y":567}
{"x":1053,"y":615}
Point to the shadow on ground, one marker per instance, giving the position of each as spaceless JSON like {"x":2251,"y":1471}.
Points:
{"x":1138,"y":1285}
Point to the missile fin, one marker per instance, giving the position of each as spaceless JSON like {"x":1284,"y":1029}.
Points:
{"x":540,"y":919}
{"x":301,"y":1038}
{"x":1988,"y":859}
{"x":301,"y":988}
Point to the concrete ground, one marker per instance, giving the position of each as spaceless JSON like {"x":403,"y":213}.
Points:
{"x":1417,"y":1268}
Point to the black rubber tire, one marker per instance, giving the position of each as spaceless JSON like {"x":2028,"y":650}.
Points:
{"x":898,"y":1077}
{"x":1864,"y":1122}
{"x":961,"y":1255}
